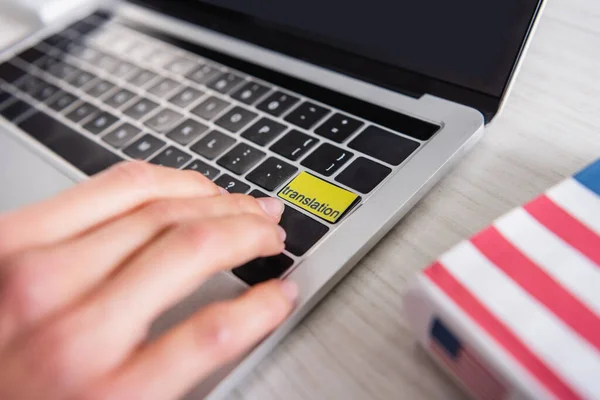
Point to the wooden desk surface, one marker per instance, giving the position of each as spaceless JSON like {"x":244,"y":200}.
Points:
{"x":356,"y":344}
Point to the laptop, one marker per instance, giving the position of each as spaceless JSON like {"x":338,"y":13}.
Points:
{"x":347,"y":111}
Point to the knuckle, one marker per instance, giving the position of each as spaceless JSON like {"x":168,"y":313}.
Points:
{"x":138,"y":174}
{"x":196,"y":234}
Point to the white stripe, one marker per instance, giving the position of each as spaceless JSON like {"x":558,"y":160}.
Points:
{"x":578,"y":201}
{"x":561,"y":261}
{"x":547,"y":336}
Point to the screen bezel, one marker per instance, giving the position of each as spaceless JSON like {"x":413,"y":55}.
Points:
{"x":282,"y":40}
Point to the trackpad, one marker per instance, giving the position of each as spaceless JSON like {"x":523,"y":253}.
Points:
{"x":25,"y":177}
{"x":221,"y":287}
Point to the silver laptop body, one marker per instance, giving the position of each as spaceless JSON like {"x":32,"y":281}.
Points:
{"x":30,"y":171}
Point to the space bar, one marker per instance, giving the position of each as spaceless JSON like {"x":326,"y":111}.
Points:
{"x":83,"y":153}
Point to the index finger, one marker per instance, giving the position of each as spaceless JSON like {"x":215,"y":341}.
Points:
{"x":116,"y":191}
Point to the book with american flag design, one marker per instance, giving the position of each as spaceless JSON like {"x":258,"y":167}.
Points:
{"x":514,"y":311}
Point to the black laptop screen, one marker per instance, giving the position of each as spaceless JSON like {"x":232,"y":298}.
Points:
{"x":471,"y":43}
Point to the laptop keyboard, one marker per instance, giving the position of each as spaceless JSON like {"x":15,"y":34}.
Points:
{"x":100,"y":92}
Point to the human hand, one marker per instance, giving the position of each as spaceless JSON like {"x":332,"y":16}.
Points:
{"x":83,"y":275}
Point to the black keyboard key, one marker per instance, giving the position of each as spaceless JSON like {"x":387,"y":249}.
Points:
{"x":73,"y":48}
{"x":46,"y":63}
{"x":363,"y":175}
{"x":4,"y":97}
{"x":45,"y":92}
{"x":142,"y":78}
{"x":339,"y":128}
{"x":31,"y":55}
{"x":181,"y":66}
{"x":62,"y":101}
{"x":241,"y":158}
{"x":140,"y":109}
{"x":187,"y":132}
{"x":236,"y":119}
{"x":55,"y":40}
{"x":306,"y":115}
{"x":172,"y":158}
{"x":213,"y":144}
{"x":15,"y":110}
{"x":384,"y":145}
{"x":226,"y":82}
{"x":250,"y":93}
{"x":30,"y":84}
{"x":81,"y":79}
{"x":327,"y":159}
{"x":62,"y":70}
{"x":100,"y":88}
{"x":83,"y":27}
{"x":100,"y":123}
{"x":210,"y":108}
{"x":10,"y":73}
{"x":120,"y":98}
{"x":88,"y":54}
{"x":164,"y":120}
{"x":164,"y":87}
{"x":264,"y":131}
{"x":144,"y":147}
{"x":124,"y":69}
{"x":294,"y":145}
{"x":122,"y":135}
{"x":106,"y":62}
{"x":277,"y":103}
{"x":81,"y":112}
{"x":84,"y":154}
{"x":264,"y":269}
{"x":200,"y":166}
{"x":232,"y":185}
{"x":302,"y":231}
{"x":203,"y":74}
{"x":271,"y":174}
{"x":186,"y":97}
{"x":160,"y":58}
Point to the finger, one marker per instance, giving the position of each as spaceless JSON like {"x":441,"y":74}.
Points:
{"x":213,"y":337}
{"x":63,"y":274}
{"x":164,"y":272}
{"x":109,"y":194}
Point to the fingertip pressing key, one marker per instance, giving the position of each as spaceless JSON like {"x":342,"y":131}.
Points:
{"x":272,"y":206}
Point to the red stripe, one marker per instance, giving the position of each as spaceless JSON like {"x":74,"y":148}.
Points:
{"x":566,"y":227}
{"x":480,"y":388}
{"x":540,"y":285}
{"x":497,"y":330}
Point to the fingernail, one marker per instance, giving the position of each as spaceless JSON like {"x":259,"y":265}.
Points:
{"x":282,"y":233}
{"x":290,"y":290}
{"x":223,"y":191}
{"x":272,"y":206}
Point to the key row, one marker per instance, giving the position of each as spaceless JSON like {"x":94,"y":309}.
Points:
{"x":338,"y":128}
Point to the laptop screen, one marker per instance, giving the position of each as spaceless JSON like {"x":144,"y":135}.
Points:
{"x":471,"y":43}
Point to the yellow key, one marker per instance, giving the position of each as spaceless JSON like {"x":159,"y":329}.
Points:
{"x":318,"y":197}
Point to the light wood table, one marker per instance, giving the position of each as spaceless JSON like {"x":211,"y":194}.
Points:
{"x":356,"y":344}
